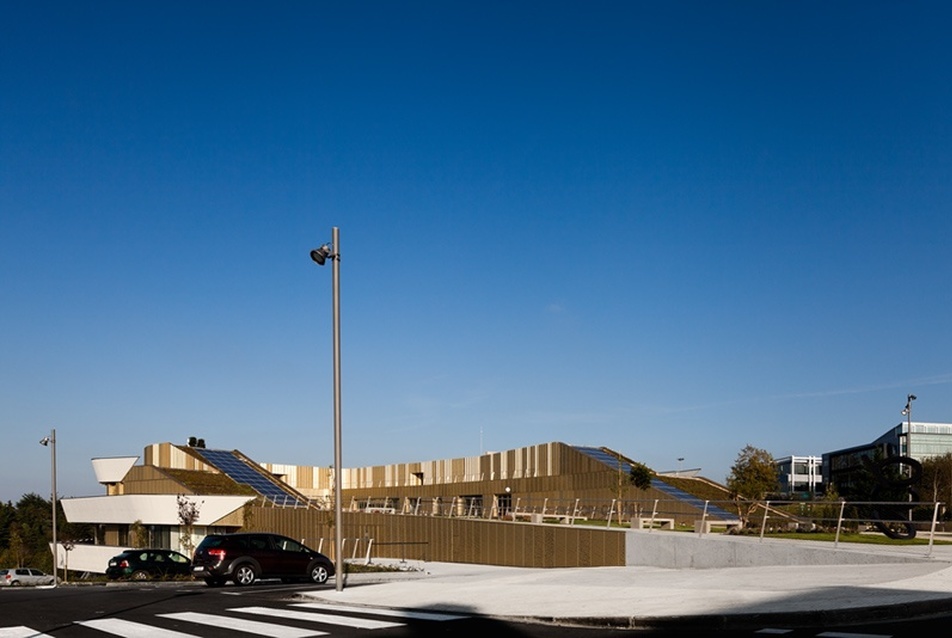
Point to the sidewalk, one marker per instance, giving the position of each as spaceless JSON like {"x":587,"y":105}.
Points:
{"x":642,"y":597}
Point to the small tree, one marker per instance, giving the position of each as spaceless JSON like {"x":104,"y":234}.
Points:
{"x":937,"y":479}
{"x":640,"y":476}
{"x":753,"y":476}
{"x":137,"y":533}
{"x":188,"y":512}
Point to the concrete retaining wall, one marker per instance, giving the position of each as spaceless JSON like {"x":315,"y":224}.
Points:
{"x":680,"y":550}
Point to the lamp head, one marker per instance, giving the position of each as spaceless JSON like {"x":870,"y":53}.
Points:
{"x":322,"y":254}
{"x":45,"y":441}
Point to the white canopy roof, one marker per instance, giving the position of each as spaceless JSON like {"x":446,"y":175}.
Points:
{"x":113,"y":469}
{"x":149,"y":509}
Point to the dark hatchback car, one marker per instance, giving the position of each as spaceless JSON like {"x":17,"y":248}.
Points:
{"x":146,"y":564}
{"x":246,"y":557}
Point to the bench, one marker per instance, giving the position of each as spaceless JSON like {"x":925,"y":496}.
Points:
{"x":704,"y":527}
{"x":642,"y":522}
{"x":532,"y":517}
{"x":565,"y":519}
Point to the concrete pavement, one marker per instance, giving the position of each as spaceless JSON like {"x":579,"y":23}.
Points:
{"x":647,"y":596}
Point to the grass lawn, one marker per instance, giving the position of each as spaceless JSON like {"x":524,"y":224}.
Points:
{"x":868,"y":539}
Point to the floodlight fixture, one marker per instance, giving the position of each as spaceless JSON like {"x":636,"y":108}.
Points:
{"x":322,"y":254}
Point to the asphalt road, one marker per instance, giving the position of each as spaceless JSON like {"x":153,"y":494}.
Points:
{"x":177,"y":610}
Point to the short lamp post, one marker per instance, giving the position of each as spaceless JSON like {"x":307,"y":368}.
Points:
{"x":320,"y":256}
{"x":50,"y":441}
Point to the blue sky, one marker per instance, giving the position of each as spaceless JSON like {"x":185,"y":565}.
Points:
{"x":670,"y":228}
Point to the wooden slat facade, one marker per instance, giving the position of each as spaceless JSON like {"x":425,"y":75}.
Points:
{"x":444,"y":539}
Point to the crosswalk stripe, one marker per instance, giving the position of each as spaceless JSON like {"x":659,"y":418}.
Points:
{"x":382,"y":611}
{"x":344,"y":621}
{"x":239,"y":624}
{"x":129,"y":629}
{"x":21,"y":632}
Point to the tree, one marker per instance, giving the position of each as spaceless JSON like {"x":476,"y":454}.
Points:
{"x":640,"y":476}
{"x":753,"y":476}
{"x":8,"y":516}
{"x":188,"y":512}
{"x":937,"y":480}
{"x":137,"y":536}
{"x":34,"y":527}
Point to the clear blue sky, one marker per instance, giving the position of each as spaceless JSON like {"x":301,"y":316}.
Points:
{"x":670,"y":228}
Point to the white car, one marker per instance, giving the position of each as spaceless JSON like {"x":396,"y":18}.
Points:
{"x":17,"y":576}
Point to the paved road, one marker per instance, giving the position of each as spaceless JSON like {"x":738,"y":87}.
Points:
{"x":180,"y":610}
{"x":787,"y":595}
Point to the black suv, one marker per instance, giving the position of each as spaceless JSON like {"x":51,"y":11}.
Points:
{"x":144,"y":564}
{"x":246,"y":557}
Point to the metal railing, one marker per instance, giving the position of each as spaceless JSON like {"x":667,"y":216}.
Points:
{"x":896,"y":518}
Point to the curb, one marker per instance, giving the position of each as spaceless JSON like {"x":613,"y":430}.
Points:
{"x":741,"y":621}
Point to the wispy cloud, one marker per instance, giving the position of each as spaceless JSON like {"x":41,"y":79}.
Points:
{"x":942,"y":379}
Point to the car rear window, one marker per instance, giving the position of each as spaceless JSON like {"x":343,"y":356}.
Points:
{"x":209,"y":542}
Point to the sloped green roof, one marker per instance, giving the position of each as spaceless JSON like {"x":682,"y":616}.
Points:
{"x":209,"y":482}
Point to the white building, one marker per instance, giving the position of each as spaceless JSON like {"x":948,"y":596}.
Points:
{"x":800,"y":475}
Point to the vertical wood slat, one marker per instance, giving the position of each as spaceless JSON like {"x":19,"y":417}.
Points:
{"x":444,"y":539}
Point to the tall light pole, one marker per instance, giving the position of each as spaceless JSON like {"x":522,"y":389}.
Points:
{"x":51,"y":442}
{"x":320,"y":256}
{"x":907,"y":412}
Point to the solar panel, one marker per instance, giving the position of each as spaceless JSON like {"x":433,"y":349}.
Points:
{"x":712,"y":510}
{"x":239,"y":471}
{"x":608,"y":459}
{"x":613,"y":462}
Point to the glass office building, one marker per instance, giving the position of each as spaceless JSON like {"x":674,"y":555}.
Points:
{"x":919,"y":441}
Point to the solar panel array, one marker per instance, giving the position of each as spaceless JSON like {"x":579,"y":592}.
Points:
{"x":712,"y":510}
{"x":239,"y":471}
{"x":612,"y":461}
{"x":608,"y":459}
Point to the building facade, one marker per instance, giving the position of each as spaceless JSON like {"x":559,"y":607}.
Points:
{"x":847,"y":470}
{"x":551,"y":482}
{"x":800,"y":476}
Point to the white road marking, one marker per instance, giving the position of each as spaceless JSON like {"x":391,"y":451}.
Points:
{"x":770,"y":630}
{"x":380,"y":611}
{"x":248,"y":626}
{"x":21,"y":632}
{"x":129,"y":629}
{"x":330,"y":619}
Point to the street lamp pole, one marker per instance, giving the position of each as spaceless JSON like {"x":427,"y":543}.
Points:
{"x":907,"y":412}
{"x":51,"y":442}
{"x":320,"y":255}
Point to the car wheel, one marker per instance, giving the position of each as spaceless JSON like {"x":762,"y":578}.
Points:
{"x":245,"y":574}
{"x":215,"y":582}
{"x":15,"y":583}
{"x":140,"y":574}
{"x":319,"y":573}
